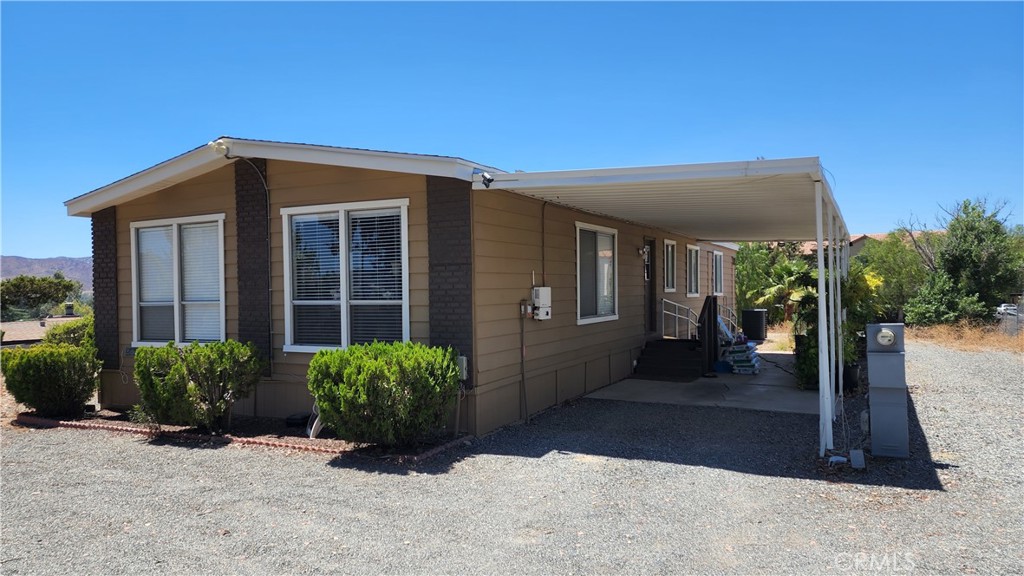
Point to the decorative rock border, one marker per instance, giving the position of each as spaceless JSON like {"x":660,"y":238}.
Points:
{"x":31,"y":420}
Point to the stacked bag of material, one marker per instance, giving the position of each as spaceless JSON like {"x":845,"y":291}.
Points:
{"x":743,"y":358}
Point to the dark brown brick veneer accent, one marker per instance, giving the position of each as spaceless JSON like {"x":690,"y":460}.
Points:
{"x":253,"y":264}
{"x":449,"y":243}
{"x":104,"y":285}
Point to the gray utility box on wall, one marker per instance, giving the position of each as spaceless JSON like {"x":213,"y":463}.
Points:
{"x":887,"y":391}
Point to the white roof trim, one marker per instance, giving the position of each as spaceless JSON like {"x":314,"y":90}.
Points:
{"x":173,"y":171}
{"x":211,"y":156}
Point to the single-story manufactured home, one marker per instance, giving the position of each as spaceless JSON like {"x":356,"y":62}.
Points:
{"x":548,"y":284}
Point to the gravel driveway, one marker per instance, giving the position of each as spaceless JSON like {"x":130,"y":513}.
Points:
{"x":595,"y":487}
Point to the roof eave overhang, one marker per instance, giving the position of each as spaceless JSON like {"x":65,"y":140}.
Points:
{"x":211,"y":157}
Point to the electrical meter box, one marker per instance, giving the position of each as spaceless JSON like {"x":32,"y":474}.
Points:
{"x":887,"y":391}
{"x":542,"y":303}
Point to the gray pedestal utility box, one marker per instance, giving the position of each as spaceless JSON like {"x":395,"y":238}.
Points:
{"x":887,"y":389}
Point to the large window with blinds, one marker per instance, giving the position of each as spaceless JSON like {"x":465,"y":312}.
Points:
{"x":178,"y":280}
{"x":346,"y":274}
{"x":596,"y":274}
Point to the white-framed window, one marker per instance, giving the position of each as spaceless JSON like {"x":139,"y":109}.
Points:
{"x":692,"y":270}
{"x":178,"y":280}
{"x":597,"y":278}
{"x":717,"y":274}
{"x":670,"y":265}
{"x":346,"y":274}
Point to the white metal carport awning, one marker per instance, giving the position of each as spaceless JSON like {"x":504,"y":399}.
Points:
{"x":759,"y":200}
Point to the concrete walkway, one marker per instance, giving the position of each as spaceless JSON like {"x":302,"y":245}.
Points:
{"x":773,"y":390}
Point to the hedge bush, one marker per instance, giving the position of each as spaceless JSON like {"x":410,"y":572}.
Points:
{"x":54,"y":379}
{"x":163,"y":386}
{"x":220,"y":373}
{"x":385,"y":393}
{"x":195,"y":385}
{"x":76,"y":332}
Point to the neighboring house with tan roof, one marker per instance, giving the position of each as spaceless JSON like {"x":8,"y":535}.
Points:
{"x":29,"y":332}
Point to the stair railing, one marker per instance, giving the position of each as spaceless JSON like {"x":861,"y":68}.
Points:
{"x":672,"y":313}
{"x":729,"y":315}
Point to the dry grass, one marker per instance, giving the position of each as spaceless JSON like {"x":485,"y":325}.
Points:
{"x":968,"y":337}
{"x":780,"y":338}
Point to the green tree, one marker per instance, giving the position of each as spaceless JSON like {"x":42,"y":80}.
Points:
{"x":941,"y":301}
{"x":760,"y":269}
{"x":980,"y":254}
{"x":901,"y":267}
{"x":27,"y":296}
{"x":788,"y":282}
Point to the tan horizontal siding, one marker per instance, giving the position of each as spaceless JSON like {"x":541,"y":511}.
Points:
{"x":295,"y":184}
{"x":563,"y":359}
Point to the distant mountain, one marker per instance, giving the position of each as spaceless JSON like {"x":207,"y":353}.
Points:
{"x":74,"y":268}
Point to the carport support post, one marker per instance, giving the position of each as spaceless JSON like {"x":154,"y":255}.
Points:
{"x":833,"y":360}
{"x":824,"y":394}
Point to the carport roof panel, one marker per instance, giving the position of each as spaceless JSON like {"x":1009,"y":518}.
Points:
{"x":760,"y":200}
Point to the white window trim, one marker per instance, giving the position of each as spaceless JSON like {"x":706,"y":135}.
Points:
{"x":615,"y":270}
{"x":717,"y":273}
{"x":175,"y":224}
{"x":675,"y":266}
{"x":696,"y":281}
{"x":342,"y":209}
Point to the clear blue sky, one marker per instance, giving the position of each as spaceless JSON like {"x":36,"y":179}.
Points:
{"x":910,"y":106}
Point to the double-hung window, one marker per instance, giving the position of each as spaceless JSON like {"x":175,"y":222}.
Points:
{"x":717,"y":273}
{"x":178,"y":280}
{"x":596,"y":274}
{"x":692,"y":270}
{"x":670,"y":265}
{"x":346,"y":274}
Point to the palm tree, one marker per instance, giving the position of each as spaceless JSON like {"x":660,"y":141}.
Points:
{"x":789,"y":281}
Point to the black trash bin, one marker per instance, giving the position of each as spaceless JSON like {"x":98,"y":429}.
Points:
{"x":755,"y":323}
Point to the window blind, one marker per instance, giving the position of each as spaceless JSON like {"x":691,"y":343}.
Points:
{"x":200,"y":281}
{"x":156,"y":284}
{"x":375,"y":276}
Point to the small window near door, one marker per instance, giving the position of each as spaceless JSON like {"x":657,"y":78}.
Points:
{"x":670,"y":266}
{"x":692,"y":270}
{"x":596,"y":274}
{"x":717,"y":274}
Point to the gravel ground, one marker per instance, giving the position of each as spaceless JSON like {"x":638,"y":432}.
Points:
{"x":594,"y":487}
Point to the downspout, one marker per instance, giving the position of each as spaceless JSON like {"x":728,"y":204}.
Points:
{"x":523,"y":407}
{"x":221,"y":146}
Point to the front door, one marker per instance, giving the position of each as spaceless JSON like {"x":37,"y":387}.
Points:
{"x":650,"y":289}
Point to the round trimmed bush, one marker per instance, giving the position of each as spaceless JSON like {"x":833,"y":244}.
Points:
{"x":385,"y":393}
{"x":54,"y":379}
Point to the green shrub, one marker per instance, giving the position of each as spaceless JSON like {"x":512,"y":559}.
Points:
{"x":197,"y":384}
{"x":163,"y":386}
{"x":220,"y":373}
{"x":390,"y":394}
{"x":940,"y":301}
{"x":54,"y":379}
{"x":77,"y":333}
